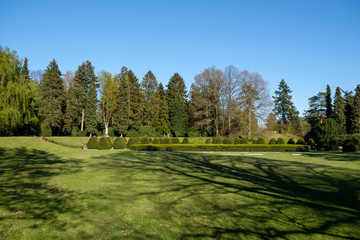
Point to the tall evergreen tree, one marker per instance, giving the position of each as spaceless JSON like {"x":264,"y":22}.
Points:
{"x":349,"y":111}
{"x":25,"y":70}
{"x":52,"y":98}
{"x":163,"y":123}
{"x":176,"y":85}
{"x":328,"y":100}
{"x":179,"y":117}
{"x":72,"y":116}
{"x":86,"y":96}
{"x":284,"y":107}
{"x":339,"y":109}
{"x":136,"y":102}
{"x":356,"y":111}
{"x":149,"y":89}
{"x":122,"y":120}
{"x":316,"y":114}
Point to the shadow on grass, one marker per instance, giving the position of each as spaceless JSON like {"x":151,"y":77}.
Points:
{"x":25,"y":190}
{"x":244,"y":197}
{"x":337,"y":156}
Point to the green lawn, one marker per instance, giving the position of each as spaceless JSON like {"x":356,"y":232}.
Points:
{"x":52,"y":192}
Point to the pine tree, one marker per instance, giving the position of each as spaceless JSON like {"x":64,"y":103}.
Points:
{"x":136,"y":100}
{"x":339,"y":109}
{"x":176,"y":85}
{"x":179,"y":117}
{"x":25,"y":70}
{"x":72,"y":116}
{"x":122,"y":114}
{"x":316,"y":114}
{"x":349,"y":111}
{"x":149,"y":89}
{"x":356,"y":111}
{"x":52,"y":98}
{"x":329,"y":107}
{"x":163,"y":123}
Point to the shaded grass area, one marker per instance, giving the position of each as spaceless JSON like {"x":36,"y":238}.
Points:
{"x":81,"y":194}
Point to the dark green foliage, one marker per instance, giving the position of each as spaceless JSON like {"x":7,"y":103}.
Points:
{"x":218,"y":140}
{"x":175,"y":140}
{"x":45,"y":130}
{"x":333,"y":145}
{"x":185,"y":140}
{"x":74,"y":131}
{"x":110,"y":142}
{"x":104,"y":143}
{"x":111,"y":132}
{"x":119,"y":143}
{"x":260,"y":141}
{"x":300,"y":141}
{"x":339,"y":110}
{"x":356,"y":111}
{"x":82,"y":133}
{"x":244,"y":141}
{"x":156,"y":141}
{"x":351,"y":145}
{"x":131,"y":142}
{"x":132,"y":134}
{"x":136,"y":100}
{"x":221,"y":147}
{"x":228,"y":141}
{"x":166,"y":140}
{"x":179,"y":117}
{"x":163,"y":123}
{"x":99,"y":134}
{"x":322,"y":145}
{"x":280,"y":141}
{"x":291,"y":141}
{"x":237,"y":140}
{"x":272,"y":141}
{"x":208,"y":141}
{"x":193,"y":132}
{"x":329,"y":107}
{"x":147,"y":131}
{"x":175,"y":86}
{"x":93,"y":143}
{"x":311,"y":143}
{"x":150,"y":109}
{"x":122,"y":112}
{"x":144,"y":140}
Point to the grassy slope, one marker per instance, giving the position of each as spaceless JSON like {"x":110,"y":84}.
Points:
{"x":49,"y":191}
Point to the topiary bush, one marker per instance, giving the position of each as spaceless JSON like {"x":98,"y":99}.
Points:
{"x":218,"y":140}
{"x":185,"y":141}
{"x":165,"y":140}
{"x":272,"y":141}
{"x":104,"y":143}
{"x":228,"y":141}
{"x":93,"y":143}
{"x":45,"y":130}
{"x":156,"y":141}
{"x":175,"y":140}
{"x":351,"y":145}
{"x":291,"y":141}
{"x":237,"y":140}
{"x":144,"y":140}
{"x":260,"y":141}
{"x":333,"y":145}
{"x":119,"y":143}
{"x":131,"y":142}
{"x":280,"y":141}
{"x":244,"y":141}
{"x":311,"y":143}
{"x":300,"y":141}
{"x":208,"y":141}
{"x":110,"y":142}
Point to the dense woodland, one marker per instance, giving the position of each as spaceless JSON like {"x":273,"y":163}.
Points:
{"x":226,"y":102}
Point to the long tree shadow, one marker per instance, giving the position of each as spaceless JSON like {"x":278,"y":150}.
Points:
{"x":25,"y":189}
{"x":277,"y":189}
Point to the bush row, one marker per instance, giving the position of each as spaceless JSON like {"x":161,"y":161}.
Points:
{"x":253,"y":141}
{"x":62,"y":143}
{"x":220,"y":147}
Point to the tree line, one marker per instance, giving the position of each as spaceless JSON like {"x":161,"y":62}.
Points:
{"x":220,"y":102}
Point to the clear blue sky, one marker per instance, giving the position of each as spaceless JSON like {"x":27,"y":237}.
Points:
{"x":307,"y":43}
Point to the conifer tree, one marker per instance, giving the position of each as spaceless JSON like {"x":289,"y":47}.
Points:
{"x":25,"y":70}
{"x":149,"y":89}
{"x":356,"y":111}
{"x":122,"y":114}
{"x":163,"y":123}
{"x":176,"y":85}
{"x":329,"y":107}
{"x":179,"y":117}
{"x":349,"y":111}
{"x":339,"y":109}
{"x":136,"y":100}
{"x":52,"y":98}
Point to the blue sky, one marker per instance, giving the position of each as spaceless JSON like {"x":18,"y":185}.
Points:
{"x":307,"y":43}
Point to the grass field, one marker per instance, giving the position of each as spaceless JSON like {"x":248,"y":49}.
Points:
{"x":52,"y":192}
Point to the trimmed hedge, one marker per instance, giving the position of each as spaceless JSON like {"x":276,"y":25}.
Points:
{"x":104,"y":143}
{"x":218,"y":140}
{"x":311,"y":143}
{"x":119,"y":143}
{"x":272,"y":141}
{"x":351,"y":145}
{"x":260,"y":141}
{"x":228,"y":141}
{"x":300,"y":141}
{"x":175,"y":140}
{"x":185,"y":140}
{"x":291,"y":141}
{"x":220,"y":147}
{"x":244,"y":141}
{"x":237,"y":141}
{"x":62,"y":143}
{"x":280,"y":141}
{"x":131,"y":142}
{"x":208,"y":141}
{"x":144,"y":140}
{"x":93,"y":143}
{"x":156,"y":141}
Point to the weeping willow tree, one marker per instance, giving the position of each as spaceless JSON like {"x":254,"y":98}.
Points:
{"x":18,"y":110}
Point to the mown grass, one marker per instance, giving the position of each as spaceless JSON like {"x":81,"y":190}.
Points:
{"x":52,"y":192}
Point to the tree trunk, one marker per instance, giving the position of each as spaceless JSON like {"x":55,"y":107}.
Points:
{"x":106,"y":129}
{"x":249,"y":121}
{"x":82,"y":120}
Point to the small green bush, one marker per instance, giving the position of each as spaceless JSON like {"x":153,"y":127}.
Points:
{"x":218,"y":140}
{"x":208,"y":141}
{"x":144,"y":140}
{"x":300,"y":141}
{"x":104,"y":143}
{"x":237,"y":140}
{"x":244,"y":141}
{"x":74,"y":131}
{"x":260,"y":141}
{"x":165,"y":140}
{"x":119,"y":143}
{"x":228,"y":141}
{"x":175,"y":140}
{"x":291,"y":141}
{"x":45,"y":130}
{"x":111,"y":132}
{"x":322,"y":145}
{"x":272,"y":141}
{"x":82,"y":133}
{"x":185,"y":140}
{"x":280,"y":141}
{"x":311,"y":143}
{"x":131,"y":142}
{"x":93,"y":143}
{"x":351,"y":145}
{"x":333,"y":145}
{"x":156,"y":141}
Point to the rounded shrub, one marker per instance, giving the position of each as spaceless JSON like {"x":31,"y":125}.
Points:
{"x":237,"y":140}
{"x":244,"y":141}
{"x":110,"y":142}
{"x":156,"y":141}
{"x":218,"y":140}
{"x":93,"y":143}
{"x":185,"y":140}
{"x":300,"y":141}
{"x":322,"y":145}
{"x":144,"y":140}
{"x":261,"y":141}
{"x":104,"y":143}
{"x":45,"y":130}
{"x":351,"y":145}
{"x":131,"y":142}
{"x":228,"y":141}
{"x":272,"y":141}
{"x":291,"y":141}
{"x":280,"y":141}
{"x":333,"y":145}
{"x":119,"y":143}
{"x":175,"y":140}
{"x":208,"y":141}
{"x":311,"y":143}
{"x":166,"y":140}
